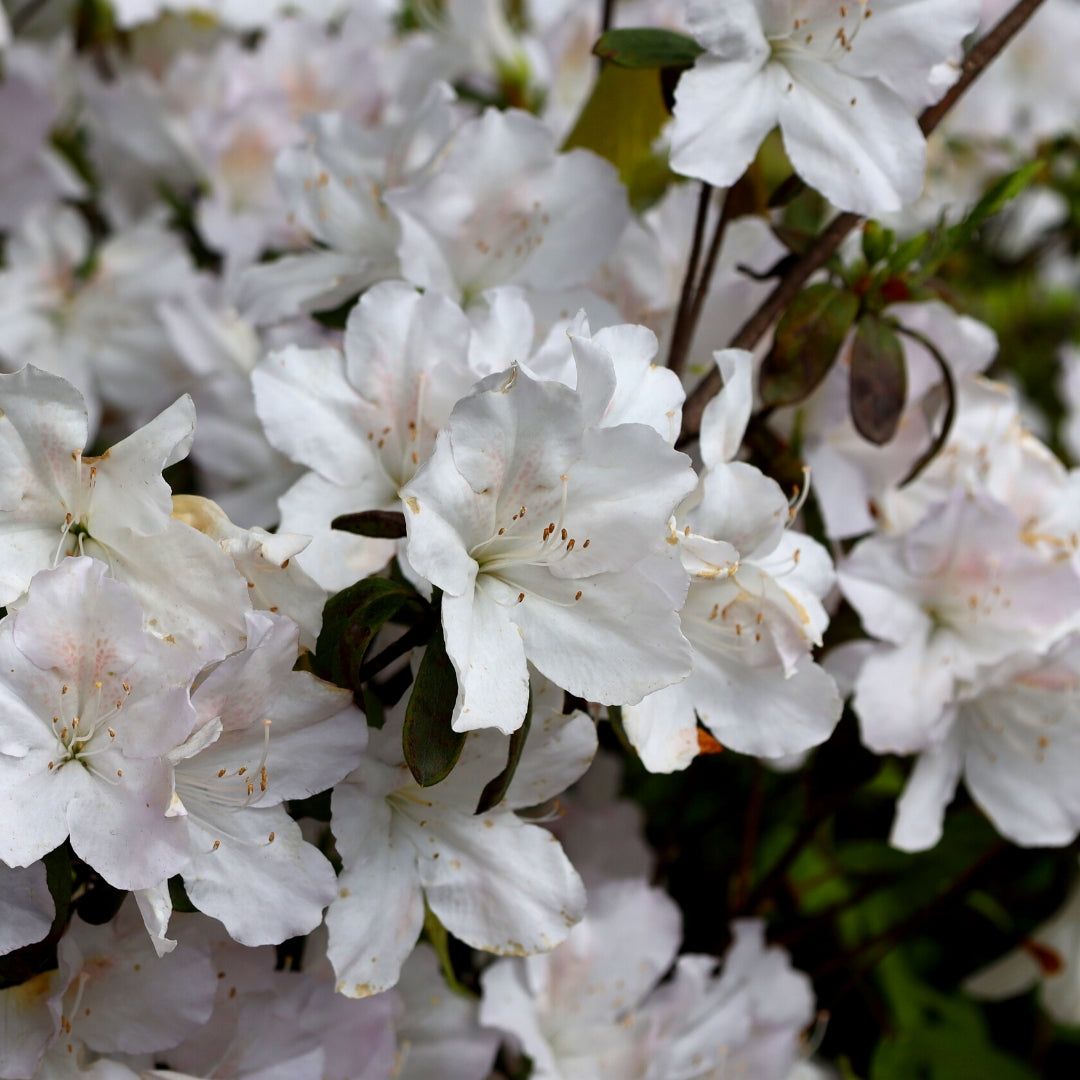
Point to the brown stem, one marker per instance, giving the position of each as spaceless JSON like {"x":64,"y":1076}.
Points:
{"x":607,"y":15}
{"x":879,"y":946}
{"x":677,"y":351}
{"x":755,"y":328}
{"x":705,"y":277}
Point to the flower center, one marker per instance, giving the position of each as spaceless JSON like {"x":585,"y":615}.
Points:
{"x":825,"y":31}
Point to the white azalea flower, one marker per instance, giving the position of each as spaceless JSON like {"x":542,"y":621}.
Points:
{"x":535,"y":528}
{"x":843,"y":80}
{"x":115,"y":507}
{"x":109,"y":995}
{"x":363,"y":423}
{"x":264,"y":733}
{"x":960,"y":590}
{"x":503,"y":207}
{"x":753,"y":612}
{"x":1015,"y":740}
{"x":595,"y":1008}
{"x":92,"y":704}
{"x":494,"y":881}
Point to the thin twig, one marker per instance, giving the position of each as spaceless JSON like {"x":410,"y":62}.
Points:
{"x":898,"y":932}
{"x":755,"y":328}
{"x":607,"y":15}
{"x":676,"y":352}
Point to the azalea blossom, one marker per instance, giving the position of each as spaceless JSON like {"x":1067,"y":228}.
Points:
{"x":116,"y":507}
{"x":92,"y":704}
{"x":536,"y":527}
{"x":492,"y":879}
{"x":844,"y":81}
{"x":752,"y":614}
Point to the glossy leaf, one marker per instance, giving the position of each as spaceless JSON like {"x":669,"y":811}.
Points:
{"x":431,"y":746}
{"x":495,"y":790}
{"x":350,"y":622}
{"x":382,"y":524}
{"x":807,"y":339}
{"x":878,"y":380}
{"x":647,"y":47}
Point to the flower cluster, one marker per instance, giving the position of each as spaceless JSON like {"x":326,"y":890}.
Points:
{"x":391,"y":493}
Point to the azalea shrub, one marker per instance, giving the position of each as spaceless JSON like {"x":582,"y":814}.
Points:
{"x":539,"y":539}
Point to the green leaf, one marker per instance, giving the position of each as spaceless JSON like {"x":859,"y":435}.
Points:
{"x":878,"y":380}
{"x":949,"y":241}
{"x":647,"y":47}
{"x":350,"y":622}
{"x":621,"y":122}
{"x":807,"y":339}
{"x":431,"y":746}
{"x":876,"y":242}
{"x":382,"y":524}
{"x":908,"y":252}
{"x":495,"y":790}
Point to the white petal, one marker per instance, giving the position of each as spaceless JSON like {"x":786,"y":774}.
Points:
{"x":852,"y":139}
{"x":920,"y":812}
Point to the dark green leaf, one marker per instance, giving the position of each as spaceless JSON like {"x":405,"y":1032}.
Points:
{"x":431,"y":746}
{"x":350,"y":622}
{"x":878,"y":380}
{"x":648,"y":47}
{"x":382,"y":524}
{"x":807,"y":339}
{"x":495,"y":790}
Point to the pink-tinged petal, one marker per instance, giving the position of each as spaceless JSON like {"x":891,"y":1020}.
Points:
{"x":718,"y":146}
{"x":920,"y":812}
{"x":82,"y":623}
{"x":852,"y":139}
